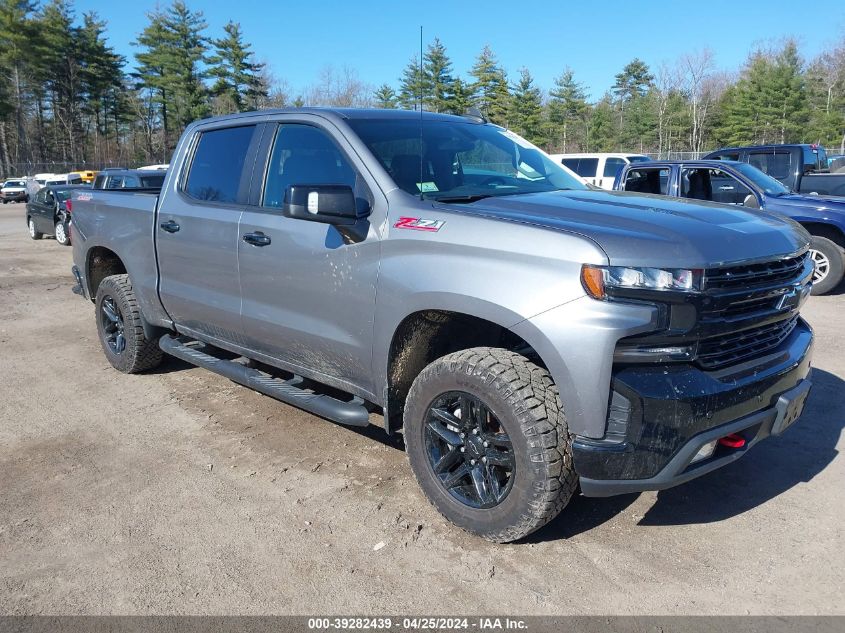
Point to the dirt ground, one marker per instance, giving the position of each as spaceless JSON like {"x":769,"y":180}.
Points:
{"x":179,"y":492}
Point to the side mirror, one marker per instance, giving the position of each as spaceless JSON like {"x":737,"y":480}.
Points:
{"x":328,"y":204}
{"x":751,"y":202}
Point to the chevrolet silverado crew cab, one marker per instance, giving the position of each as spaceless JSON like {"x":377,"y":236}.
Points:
{"x":525,"y":333}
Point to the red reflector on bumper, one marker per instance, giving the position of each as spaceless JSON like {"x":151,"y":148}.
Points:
{"x":732,"y":441}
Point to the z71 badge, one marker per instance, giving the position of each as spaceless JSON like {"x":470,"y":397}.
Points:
{"x":419,"y":224}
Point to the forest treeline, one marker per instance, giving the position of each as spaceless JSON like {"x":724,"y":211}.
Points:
{"x":70,"y":99}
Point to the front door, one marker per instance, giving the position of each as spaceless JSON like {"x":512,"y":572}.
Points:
{"x":309,"y":293}
{"x":197,"y":235}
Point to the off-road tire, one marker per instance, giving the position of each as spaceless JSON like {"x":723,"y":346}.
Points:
{"x":33,"y":232}
{"x":836,"y":264}
{"x":140,"y":353}
{"x":526,"y":403}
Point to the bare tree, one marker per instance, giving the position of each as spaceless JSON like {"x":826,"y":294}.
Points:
{"x":698,"y":68}
{"x":341,"y":88}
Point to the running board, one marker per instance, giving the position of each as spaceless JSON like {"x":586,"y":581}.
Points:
{"x":351,"y":413}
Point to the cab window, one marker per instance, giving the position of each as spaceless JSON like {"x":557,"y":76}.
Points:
{"x":713,"y":185}
{"x":775,"y":164}
{"x":652,"y":180}
{"x":612,"y":167}
{"x":217,"y":165}
{"x":304,"y":155}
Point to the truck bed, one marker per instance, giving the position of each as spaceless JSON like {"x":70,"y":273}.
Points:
{"x":823,"y":184}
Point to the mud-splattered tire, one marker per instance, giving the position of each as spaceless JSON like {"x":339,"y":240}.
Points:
{"x":120,"y":328}
{"x":523,"y":402}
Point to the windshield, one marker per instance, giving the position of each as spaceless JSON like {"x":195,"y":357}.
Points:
{"x":765,"y":182}
{"x":14,"y":183}
{"x":460,"y":160}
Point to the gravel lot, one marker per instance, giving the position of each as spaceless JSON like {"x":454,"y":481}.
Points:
{"x":181,"y":492}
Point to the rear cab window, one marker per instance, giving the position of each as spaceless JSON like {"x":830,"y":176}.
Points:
{"x":218,"y":164}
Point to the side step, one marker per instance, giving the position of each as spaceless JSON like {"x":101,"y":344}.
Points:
{"x":351,"y":413}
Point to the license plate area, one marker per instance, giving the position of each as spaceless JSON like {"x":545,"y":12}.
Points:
{"x":790,"y":406}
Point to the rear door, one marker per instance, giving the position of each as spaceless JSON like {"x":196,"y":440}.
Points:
{"x":309,"y":293}
{"x":197,"y":233}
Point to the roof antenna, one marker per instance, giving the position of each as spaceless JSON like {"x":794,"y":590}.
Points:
{"x":420,"y":91}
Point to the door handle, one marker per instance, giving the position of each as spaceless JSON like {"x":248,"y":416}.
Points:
{"x":170,"y":226}
{"x":257,"y":239}
{"x":726,"y":188}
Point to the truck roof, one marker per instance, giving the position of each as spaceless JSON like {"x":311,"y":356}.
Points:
{"x":348,"y":113}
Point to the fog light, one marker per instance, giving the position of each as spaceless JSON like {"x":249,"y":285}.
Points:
{"x":705,"y":452}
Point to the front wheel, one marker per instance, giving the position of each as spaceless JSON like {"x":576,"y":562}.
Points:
{"x":120,"y":327}
{"x":62,"y":234}
{"x":488,"y":443}
{"x":830,"y":264}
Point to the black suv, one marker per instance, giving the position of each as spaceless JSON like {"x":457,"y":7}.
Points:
{"x":48,"y":211}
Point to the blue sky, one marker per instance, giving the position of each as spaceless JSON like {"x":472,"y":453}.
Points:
{"x":596,"y":39}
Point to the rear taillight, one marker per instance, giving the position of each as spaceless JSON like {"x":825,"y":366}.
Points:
{"x":69,"y":206}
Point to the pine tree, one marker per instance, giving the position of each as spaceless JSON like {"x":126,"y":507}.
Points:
{"x":526,"y":116}
{"x":385,"y":97}
{"x":437,"y":75}
{"x":16,"y":35}
{"x":238,"y":83}
{"x":490,"y":89}
{"x":152,"y":70}
{"x":186,"y":57}
{"x":601,"y":132}
{"x":568,"y":110}
{"x":461,"y":97}
{"x":412,"y":85}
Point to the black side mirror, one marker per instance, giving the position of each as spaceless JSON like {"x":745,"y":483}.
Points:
{"x":328,"y":204}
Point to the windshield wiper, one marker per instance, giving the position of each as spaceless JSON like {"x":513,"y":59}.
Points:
{"x":468,"y":198}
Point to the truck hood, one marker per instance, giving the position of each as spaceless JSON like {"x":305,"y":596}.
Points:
{"x":803,"y":200}
{"x":650,"y":230}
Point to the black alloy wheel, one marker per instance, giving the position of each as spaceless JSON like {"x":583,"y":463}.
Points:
{"x":113,"y":327}
{"x":468,"y":450}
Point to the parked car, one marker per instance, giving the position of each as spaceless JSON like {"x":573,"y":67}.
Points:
{"x":525,"y":332}
{"x":49,"y":212}
{"x":801,"y":168}
{"x":14,"y":190}
{"x":63,"y":179}
{"x":598,"y":169}
{"x":129,"y":179}
{"x":731,"y":182}
{"x":161,"y":167}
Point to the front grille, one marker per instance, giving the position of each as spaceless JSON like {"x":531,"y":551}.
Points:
{"x":772,"y":272}
{"x":729,"y":349}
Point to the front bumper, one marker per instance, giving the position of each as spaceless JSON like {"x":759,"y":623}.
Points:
{"x":663,"y":415}
{"x":13,"y":196}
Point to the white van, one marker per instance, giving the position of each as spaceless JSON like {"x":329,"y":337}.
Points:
{"x":64,"y":179}
{"x":598,"y":169}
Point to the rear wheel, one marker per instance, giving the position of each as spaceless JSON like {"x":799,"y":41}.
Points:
{"x":830,"y":264}
{"x":488,"y":443}
{"x":62,"y":234}
{"x":34,"y":233}
{"x":120,"y":327}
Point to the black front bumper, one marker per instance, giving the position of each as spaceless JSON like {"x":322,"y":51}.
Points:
{"x":664,"y":414}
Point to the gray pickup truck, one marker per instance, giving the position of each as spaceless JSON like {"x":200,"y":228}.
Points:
{"x":524,"y":333}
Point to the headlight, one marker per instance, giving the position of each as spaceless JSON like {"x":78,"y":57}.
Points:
{"x":598,"y":279}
